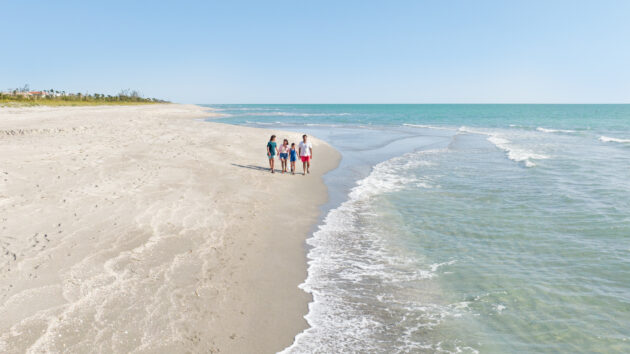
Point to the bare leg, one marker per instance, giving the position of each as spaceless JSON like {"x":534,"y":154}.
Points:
{"x":304,"y":168}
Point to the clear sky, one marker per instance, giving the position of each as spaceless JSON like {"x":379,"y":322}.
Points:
{"x":322,"y":51}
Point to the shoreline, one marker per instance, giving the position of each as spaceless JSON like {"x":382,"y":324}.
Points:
{"x":151,"y":217}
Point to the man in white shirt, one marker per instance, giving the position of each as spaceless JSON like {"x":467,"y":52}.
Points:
{"x":306,"y":154}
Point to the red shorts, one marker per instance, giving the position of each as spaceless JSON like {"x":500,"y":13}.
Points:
{"x":305,"y":158}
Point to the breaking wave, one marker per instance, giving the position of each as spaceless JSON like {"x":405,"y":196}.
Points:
{"x":608,"y":139}
{"x":513,"y":152}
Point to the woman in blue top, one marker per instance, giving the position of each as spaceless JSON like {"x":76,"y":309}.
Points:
{"x":272,"y":150}
{"x":293,"y":158}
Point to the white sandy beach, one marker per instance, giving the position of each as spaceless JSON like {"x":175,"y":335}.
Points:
{"x":141,"y":229}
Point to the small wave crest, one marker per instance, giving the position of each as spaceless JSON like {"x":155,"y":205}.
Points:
{"x":514,"y":152}
{"x":247,"y":109}
{"x":608,"y":139}
{"x":295,"y":114}
{"x":546,"y":130}
{"x":322,"y":125}
{"x":263,"y":123}
{"x":426,"y":126}
{"x":390,"y":176}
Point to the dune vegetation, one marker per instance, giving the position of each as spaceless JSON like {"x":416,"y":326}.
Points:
{"x":25,"y":97}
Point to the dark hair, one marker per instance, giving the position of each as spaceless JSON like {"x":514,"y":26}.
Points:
{"x":292,"y":144}
{"x":272,"y":137}
{"x":304,"y":136}
{"x":287,"y":140}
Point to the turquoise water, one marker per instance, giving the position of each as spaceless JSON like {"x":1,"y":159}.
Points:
{"x":467,"y":228}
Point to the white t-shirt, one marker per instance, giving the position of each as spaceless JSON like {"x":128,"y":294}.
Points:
{"x":305,"y":149}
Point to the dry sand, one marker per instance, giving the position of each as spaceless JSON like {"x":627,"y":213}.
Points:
{"x":141,"y":229}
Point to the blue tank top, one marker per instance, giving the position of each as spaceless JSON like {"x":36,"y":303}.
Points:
{"x":272,"y":147}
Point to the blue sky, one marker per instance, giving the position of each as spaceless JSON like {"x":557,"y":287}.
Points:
{"x":323,"y":51}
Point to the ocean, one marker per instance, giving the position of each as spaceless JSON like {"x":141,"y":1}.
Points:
{"x":466,"y":228}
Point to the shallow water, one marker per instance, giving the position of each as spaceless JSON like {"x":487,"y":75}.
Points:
{"x":467,"y":228}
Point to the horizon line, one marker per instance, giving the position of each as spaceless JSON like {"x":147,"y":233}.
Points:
{"x":427,"y":103}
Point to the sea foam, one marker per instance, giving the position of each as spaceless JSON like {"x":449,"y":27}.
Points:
{"x":545,"y":130}
{"x":427,"y":126}
{"x":350,"y":260}
{"x":608,"y":139}
{"x":513,"y":152}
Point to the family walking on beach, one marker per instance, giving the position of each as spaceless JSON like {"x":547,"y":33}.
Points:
{"x":305,"y":151}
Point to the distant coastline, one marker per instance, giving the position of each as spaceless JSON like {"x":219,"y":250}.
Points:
{"x":24,"y":96}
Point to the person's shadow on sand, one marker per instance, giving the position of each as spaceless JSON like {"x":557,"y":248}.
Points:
{"x":252,"y":167}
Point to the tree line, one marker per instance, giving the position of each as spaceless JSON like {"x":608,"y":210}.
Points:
{"x":24,"y":94}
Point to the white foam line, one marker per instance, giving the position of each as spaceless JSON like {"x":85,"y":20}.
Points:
{"x":321,"y":125}
{"x":513,"y":153}
{"x":426,"y":126}
{"x":291,"y":114}
{"x":545,"y":130}
{"x":261,"y":123}
{"x":608,"y":139}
